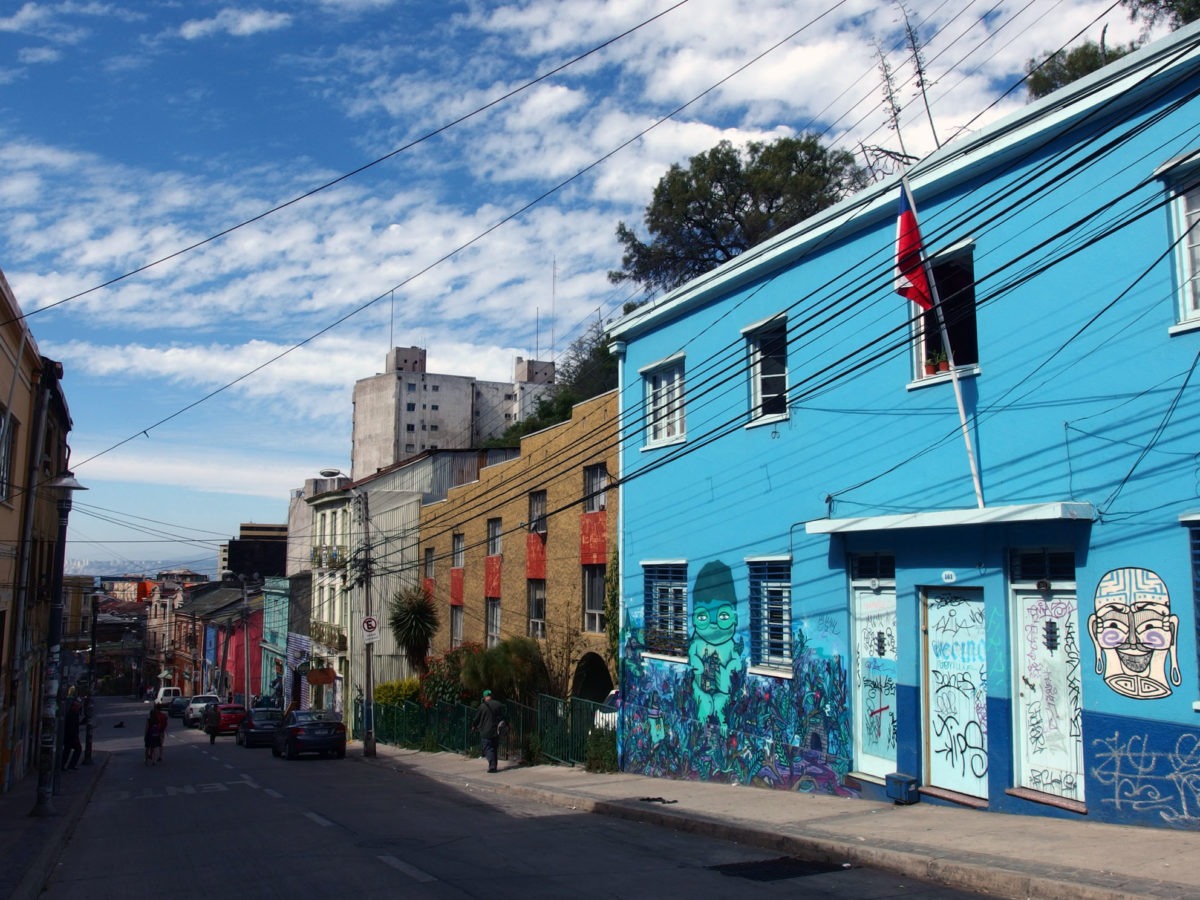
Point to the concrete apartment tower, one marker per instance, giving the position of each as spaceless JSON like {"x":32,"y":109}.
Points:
{"x":406,"y":410}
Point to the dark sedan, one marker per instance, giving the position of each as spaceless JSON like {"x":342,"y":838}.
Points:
{"x":310,"y":731}
{"x":258,"y":728}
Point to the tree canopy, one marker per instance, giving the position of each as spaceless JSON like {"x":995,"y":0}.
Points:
{"x":726,"y":201}
{"x":1061,"y":68}
{"x":1176,"y":13}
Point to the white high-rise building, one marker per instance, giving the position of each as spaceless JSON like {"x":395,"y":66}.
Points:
{"x":406,"y":410}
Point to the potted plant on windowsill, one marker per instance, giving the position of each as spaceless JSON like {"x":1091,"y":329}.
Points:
{"x":930,"y":365}
{"x":943,"y":364}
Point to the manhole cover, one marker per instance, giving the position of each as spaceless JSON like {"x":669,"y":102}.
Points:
{"x":777,"y":869}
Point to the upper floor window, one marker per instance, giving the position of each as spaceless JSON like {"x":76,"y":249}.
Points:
{"x":458,"y":544}
{"x":954,"y":277}
{"x":664,"y":403}
{"x":429,"y":557}
{"x":665,"y":599}
{"x":1186,"y":221}
{"x":768,"y":369}
{"x":493,"y":536}
{"x":595,"y":487}
{"x":537,"y":512}
{"x":593,"y":598}
{"x":456,"y":623}
{"x":536,"y":591}
{"x":8,"y":451}
{"x":492,"y":617}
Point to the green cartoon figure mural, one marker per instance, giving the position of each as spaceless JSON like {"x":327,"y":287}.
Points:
{"x":715,"y":651}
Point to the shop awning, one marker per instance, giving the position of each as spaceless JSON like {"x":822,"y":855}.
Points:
{"x":957,"y":518}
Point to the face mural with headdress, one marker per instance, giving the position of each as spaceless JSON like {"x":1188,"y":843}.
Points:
{"x":1135,"y":634}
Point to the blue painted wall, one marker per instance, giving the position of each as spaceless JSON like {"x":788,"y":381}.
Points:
{"x":1083,"y":392}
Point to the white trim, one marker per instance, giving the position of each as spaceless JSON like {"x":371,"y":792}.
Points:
{"x":967,"y":371}
{"x":949,"y":518}
{"x":1184,"y":327}
{"x":662,"y":562}
{"x":1189,"y":518}
{"x":1183,"y":161}
{"x":749,"y":329}
{"x":662,"y":657}
{"x":770,"y":672}
{"x":662,"y":363}
{"x":778,"y":557}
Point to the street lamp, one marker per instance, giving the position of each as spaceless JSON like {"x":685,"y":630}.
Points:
{"x":44,"y":806}
{"x":368,"y":679}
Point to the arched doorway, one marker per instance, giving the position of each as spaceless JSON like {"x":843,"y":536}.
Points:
{"x":592,"y":680}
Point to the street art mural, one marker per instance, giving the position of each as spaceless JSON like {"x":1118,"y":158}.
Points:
{"x":714,"y":651}
{"x":1150,"y":777}
{"x":1135,"y":634}
{"x":711,"y":719}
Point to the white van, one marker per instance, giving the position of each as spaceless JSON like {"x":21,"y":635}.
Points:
{"x":166,"y":695}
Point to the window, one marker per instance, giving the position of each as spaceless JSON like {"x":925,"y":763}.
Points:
{"x":410,"y":407}
{"x":410,"y":448}
{"x":459,"y":550}
{"x":666,"y":607}
{"x":595,"y":487}
{"x":493,"y":537}
{"x":536,"y":591}
{"x":493,"y":620}
{"x":412,"y":387}
{"x":768,"y":369}
{"x":771,"y":612}
{"x":410,"y":427}
{"x":429,"y":556}
{"x":8,"y":452}
{"x":433,"y":406}
{"x":1186,"y":210}
{"x":664,"y":404}
{"x":954,"y":276}
{"x":456,"y":620}
{"x":593,"y":599}
{"x":537,"y":512}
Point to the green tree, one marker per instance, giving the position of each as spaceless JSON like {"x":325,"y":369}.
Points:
{"x":1058,"y":69}
{"x":1176,"y":13}
{"x":414,"y":622}
{"x":726,"y":201}
{"x":513,"y":669}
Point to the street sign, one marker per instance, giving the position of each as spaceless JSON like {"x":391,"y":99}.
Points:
{"x":370,"y":629}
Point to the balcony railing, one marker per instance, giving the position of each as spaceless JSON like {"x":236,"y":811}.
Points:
{"x":329,"y":556}
{"x":328,"y":634}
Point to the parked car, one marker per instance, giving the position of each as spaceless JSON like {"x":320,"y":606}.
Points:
{"x":177,"y":706}
{"x":222,"y":718}
{"x":606,"y":714}
{"x":193,"y":714}
{"x":257,"y":729}
{"x":165,"y":695}
{"x":310,"y":731}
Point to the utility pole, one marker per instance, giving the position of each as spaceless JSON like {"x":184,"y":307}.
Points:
{"x":369,"y":699}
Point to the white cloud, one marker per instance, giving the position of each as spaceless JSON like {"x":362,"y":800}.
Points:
{"x":236,"y":23}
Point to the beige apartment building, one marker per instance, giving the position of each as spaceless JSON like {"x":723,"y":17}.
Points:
{"x":525,"y":550}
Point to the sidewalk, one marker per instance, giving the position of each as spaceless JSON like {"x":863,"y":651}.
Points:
{"x":1002,"y":855}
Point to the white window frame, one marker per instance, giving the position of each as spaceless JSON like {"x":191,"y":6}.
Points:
{"x":665,"y":411}
{"x":767,"y":387}
{"x":665,"y":599}
{"x":535,"y":592}
{"x":537,"y":512}
{"x":595,"y":487}
{"x":458,"y":557}
{"x":495,"y":532}
{"x":594,"y":619}
{"x":771,"y":638}
{"x":927,"y":335}
{"x":456,"y":625}
{"x":492,"y":612}
{"x":1185,"y":211}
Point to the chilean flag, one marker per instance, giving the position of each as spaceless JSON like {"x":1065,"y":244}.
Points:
{"x":911,"y":280}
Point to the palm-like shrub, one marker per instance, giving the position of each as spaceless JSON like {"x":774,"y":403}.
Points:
{"x":414,"y":622}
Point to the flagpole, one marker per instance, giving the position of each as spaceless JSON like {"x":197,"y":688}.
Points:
{"x":949,"y":351}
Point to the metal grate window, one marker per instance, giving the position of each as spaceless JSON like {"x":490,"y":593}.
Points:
{"x":666,"y":608}
{"x":1042,"y":563}
{"x":865,"y":566}
{"x":771,"y":613}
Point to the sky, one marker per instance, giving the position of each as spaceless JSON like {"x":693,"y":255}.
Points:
{"x":218,"y":217}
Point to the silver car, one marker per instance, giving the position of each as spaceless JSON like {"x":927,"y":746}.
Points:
{"x":193,"y":713}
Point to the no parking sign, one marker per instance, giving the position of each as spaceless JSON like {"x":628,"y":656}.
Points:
{"x":370,"y":629}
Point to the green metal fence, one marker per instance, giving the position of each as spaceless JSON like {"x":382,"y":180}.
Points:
{"x":560,"y":728}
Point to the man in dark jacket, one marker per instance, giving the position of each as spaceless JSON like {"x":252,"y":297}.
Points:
{"x":488,"y":719}
{"x":71,"y":746}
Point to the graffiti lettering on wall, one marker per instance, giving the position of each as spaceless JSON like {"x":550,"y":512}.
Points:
{"x":957,"y":714}
{"x":1147,"y":781}
{"x":1135,"y":634}
{"x":712,"y":720}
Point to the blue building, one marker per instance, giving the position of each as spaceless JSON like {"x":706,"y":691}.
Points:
{"x":846,"y":569}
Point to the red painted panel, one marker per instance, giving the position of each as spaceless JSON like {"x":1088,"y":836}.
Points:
{"x":456,"y":587}
{"x":593,"y":538}
{"x":491,"y":576}
{"x":535,"y":556}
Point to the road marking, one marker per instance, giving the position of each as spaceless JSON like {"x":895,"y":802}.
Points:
{"x":320,"y":820}
{"x":273,"y":794}
{"x":411,"y":871}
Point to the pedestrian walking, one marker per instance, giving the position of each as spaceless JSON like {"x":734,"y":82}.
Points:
{"x":71,"y":746}
{"x":488,"y":721}
{"x":162,"y":731}
{"x":153,"y":737}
